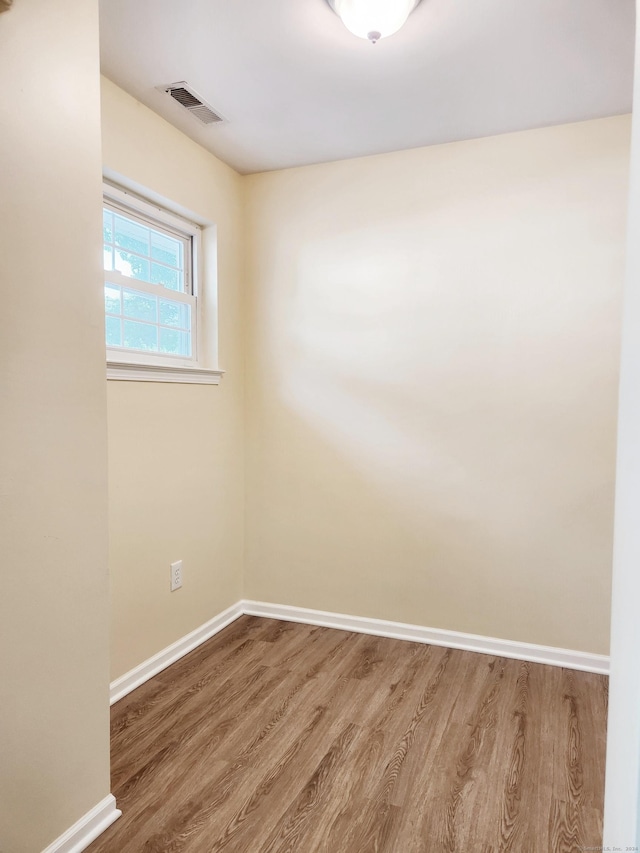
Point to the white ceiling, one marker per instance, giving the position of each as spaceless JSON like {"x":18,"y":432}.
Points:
{"x":295,"y":87}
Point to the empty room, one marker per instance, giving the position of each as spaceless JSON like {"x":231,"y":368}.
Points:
{"x":320,"y":384}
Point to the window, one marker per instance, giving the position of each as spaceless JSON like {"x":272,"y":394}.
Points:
{"x":150,"y":291}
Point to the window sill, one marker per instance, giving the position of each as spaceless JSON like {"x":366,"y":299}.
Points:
{"x":121,"y":370}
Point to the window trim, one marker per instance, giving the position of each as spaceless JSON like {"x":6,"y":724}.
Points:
{"x":143,"y":366}
{"x":163,"y":373}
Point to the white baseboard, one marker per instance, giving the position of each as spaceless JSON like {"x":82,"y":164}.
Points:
{"x":584,"y":661}
{"x":147,"y":669}
{"x":434,"y":636}
{"x":87,"y":829}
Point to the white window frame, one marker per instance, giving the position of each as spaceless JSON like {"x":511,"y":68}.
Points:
{"x":130,"y":364}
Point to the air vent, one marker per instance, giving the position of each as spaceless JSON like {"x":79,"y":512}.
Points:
{"x":187,"y":98}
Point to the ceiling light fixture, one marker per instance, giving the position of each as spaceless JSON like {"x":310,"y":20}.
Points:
{"x":373,"y":19}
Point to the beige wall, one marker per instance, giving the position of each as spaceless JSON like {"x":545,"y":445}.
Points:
{"x":433,"y":341}
{"x":176,"y":474}
{"x":54,"y":716}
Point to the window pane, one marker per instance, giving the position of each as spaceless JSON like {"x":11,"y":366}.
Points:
{"x":174,"y":342}
{"x":140,"y":305}
{"x":112,"y":299}
{"x":108,"y":257}
{"x":131,"y":235}
{"x":167,"y":277}
{"x":140,"y":336}
{"x":113,"y":328}
{"x":175,"y":314}
{"x":166,"y":250}
{"x":131,"y":265}
{"x":107,"y":226}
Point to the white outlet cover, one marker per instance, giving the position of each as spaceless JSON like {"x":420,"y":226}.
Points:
{"x":176,"y":575}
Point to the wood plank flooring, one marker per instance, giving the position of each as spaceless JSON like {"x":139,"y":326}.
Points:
{"x":274,"y":737}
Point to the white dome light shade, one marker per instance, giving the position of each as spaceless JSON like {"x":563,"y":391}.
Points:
{"x":373,"y":19}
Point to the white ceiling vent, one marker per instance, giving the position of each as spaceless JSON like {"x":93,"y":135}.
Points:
{"x":188,"y":99}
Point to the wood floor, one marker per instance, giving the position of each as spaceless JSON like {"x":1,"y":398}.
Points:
{"x":275,"y":737}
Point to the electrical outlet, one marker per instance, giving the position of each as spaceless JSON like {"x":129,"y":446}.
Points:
{"x":176,"y":575}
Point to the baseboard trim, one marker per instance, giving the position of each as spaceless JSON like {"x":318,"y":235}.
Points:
{"x":87,"y":829}
{"x":567,"y":658}
{"x":583,"y":661}
{"x":147,"y":669}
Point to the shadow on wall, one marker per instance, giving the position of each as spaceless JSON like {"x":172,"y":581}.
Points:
{"x":440,"y":449}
